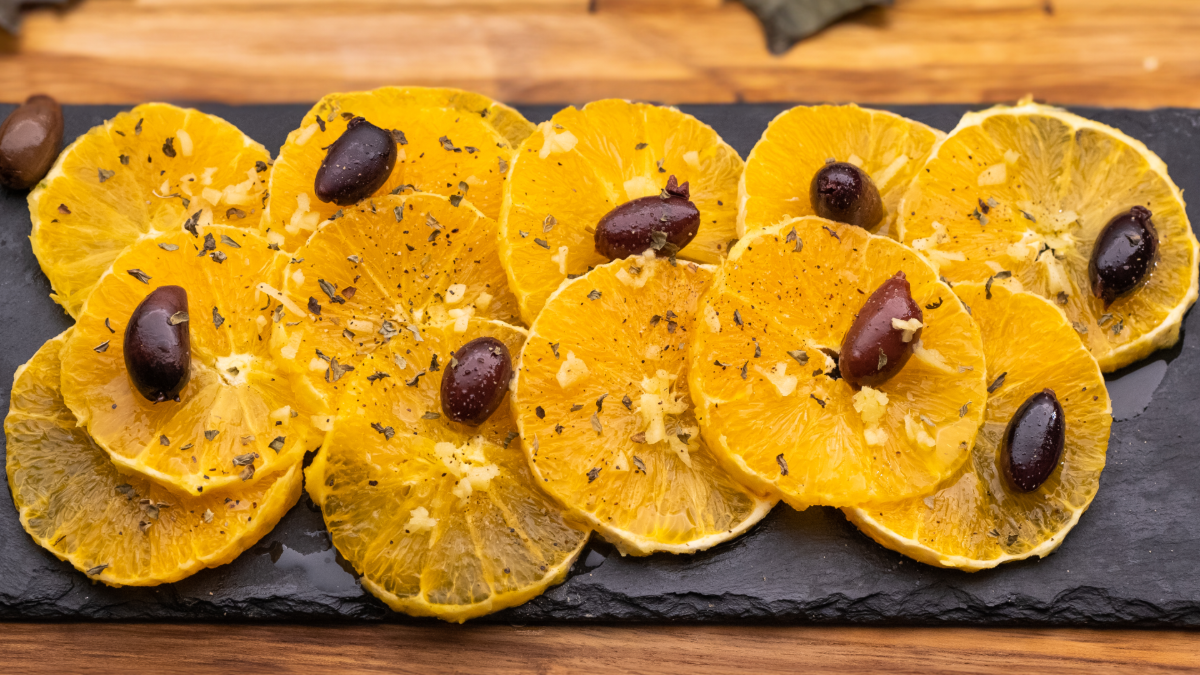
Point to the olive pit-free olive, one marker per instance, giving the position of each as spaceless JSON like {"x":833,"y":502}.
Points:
{"x":873,"y":349}
{"x":1123,"y":255}
{"x":158,"y":345}
{"x":30,"y":139}
{"x":630,"y":229}
{"x":843,"y":192}
{"x":357,"y":164}
{"x":1033,"y":441}
{"x":475,"y":381}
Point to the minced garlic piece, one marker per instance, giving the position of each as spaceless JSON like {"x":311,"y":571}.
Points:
{"x":785,"y":384}
{"x":322,"y":422}
{"x":571,"y":371}
{"x":874,"y":436}
{"x":855,"y":160}
{"x":455,"y":293}
{"x":302,"y":217}
{"x":917,"y":434}
{"x":289,"y":350}
{"x":908,"y":328}
{"x":939,"y":235}
{"x":317,"y":363}
{"x":306,"y":133}
{"x":653,"y":352}
{"x":469,"y":464}
{"x":281,"y":414}
{"x":561,"y":259}
{"x":278,"y":295}
{"x":360,"y":325}
{"x":206,"y":177}
{"x":683,"y":450}
{"x":692,"y":159}
{"x":996,"y":174}
{"x":640,"y":186}
{"x":871,"y":405}
{"x":165,"y":188}
{"x":1011,"y":156}
{"x":938,"y":258}
{"x":931,"y":356}
{"x":185,"y":142}
{"x":556,"y":142}
{"x":211,"y":196}
{"x":419,"y":521}
{"x":655,"y":403}
{"x":462,"y":318}
{"x":298,"y":276}
{"x":1058,"y":281}
{"x":483,"y":301}
{"x":1059,"y":221}
{"x":711,"y":318}
{"x":261,"y":321}
{"x":275,"y":238}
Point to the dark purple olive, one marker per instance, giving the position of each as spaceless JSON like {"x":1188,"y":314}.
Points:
{"x":1033,"y":441}
{"x":874,"y":348}
{"x":30,"y":139}
{"x":843,"y":192}
{"x":158,"y":345}
{"x":631,"y":228}
{"x":357,"y":164}
{"x":476,"y":380}
{"x":1123,"y":254}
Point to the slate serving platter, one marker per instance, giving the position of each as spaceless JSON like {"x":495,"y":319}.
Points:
{"x":1133,"y":560}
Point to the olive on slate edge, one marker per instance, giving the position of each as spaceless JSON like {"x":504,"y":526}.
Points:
{"x":158,"y":345}
{"x":357,"y":164}
{"x":1123,"y":254}
{"x":629,"y":229}
{"x":30,"y":139}
{"x":476,"y":380}
{"x":1033,"y":441}
{"x":843,"y":192}
{"x":874,"y":348}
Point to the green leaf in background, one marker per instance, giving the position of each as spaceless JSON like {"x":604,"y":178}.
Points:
{"x":786,"y":22}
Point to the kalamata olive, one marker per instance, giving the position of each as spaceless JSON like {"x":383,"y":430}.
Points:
{"x":30,"y":139}
{"x":843,"y":192}
{"x":875,"y":346}
{"x":1123,"y":254}
{"x":476,"y":380}
{"x":631,"y":228}
{"x":158,"y":344}
{"x":1033,"y":441}
{"x":357,"y":164}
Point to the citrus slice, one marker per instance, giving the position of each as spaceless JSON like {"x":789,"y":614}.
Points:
{"x":440,"y":518}
{"x":771,"y":401}
{"x":240,"y":417}
{"x":1024,"y":191}
{"x":601,"y":400}
{"x":388,"y":264}
{"x":450,"y":142}
{"x":121,"y":530}
{"x":975,"y":520}
{"x":798,"y":142}
{"x":582,"y":163}
{"x":143,"y":172}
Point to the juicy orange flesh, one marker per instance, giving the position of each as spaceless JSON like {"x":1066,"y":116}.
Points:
{"x":777,"y":300}
{"x":119,"y":529}
{"x":1059,"y":171}
{"x":383,"y":269}
{"x":889,"y":148}
{"x":449,"y":139}
{"x":236,"y":388}
{"x":595,"y":159}
{"x":116,"y":184}
{"x":625,"y":335}
{"x":502,"y":541}
{"x":976,"y":514}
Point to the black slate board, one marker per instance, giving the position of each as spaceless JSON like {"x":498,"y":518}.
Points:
{"x":1132,"y":560}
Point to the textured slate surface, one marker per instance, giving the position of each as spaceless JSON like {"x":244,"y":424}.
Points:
{"x":1133,"y":559}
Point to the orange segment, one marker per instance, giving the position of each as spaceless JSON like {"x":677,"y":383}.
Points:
{"x":118,"y":529}
{"x":240,"y":416}
{"x":975,"y":520}
{"x":601,"y":400}
{"x":768,"y":397}
{"x":583,"y":163}
{"x":451,"y":142}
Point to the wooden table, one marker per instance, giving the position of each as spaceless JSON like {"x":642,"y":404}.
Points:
{"x":1138,"y":53}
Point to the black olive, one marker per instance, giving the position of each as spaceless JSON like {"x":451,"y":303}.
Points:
{"x":843,"y":192}
{"x":631,"y":228}
{"x":30,"y":139}
{"x":357,"y":164}
{"x":158,"y":344}
{"x":1033,"y":441}
{"x":1124,"y":253}
{"x":873,"y":348}
{"x":476,"y":380}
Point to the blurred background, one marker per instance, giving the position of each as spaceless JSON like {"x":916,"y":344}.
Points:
{"x":1135,"y":53}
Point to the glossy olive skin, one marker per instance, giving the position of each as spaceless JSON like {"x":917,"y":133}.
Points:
{"x":357,"y":164}
{"x":158,"y":356}
{"x":1124,"y":253}
{"x":843,"y":192}
{"x":872,"y":334}
{"x":1033,"y":442}
{"x":628,"y":229}
{"x":30,"y":139}
{"x":476,"y":380}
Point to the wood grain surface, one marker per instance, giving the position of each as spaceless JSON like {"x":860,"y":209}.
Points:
{"x":174,"y":648}
{"x":1136,"y":53}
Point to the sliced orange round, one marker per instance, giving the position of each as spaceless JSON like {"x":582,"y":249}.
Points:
{"x":440,"y":518}
{"x":1024,"y":191}
{"x":118,"y":529}
{"x":451,"y":142}
{"x":387,"y":266}
{"x":779,"y":171}
{"x":584,"y":162}
{"x":601,"y":400}
{"x":241,"y":416}
{"x":975,"y":520}
{"x":142,"y":173}
{"x":764,"y":376}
